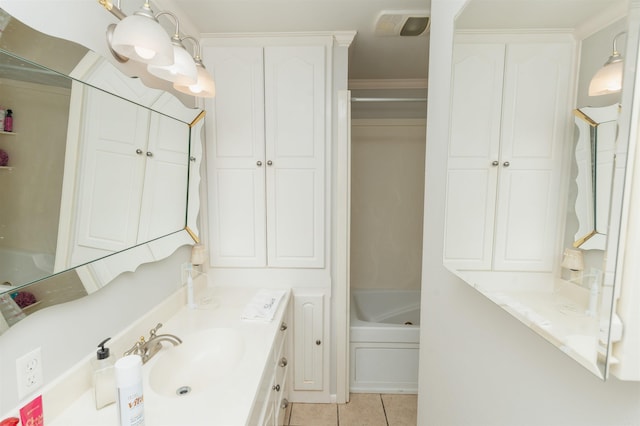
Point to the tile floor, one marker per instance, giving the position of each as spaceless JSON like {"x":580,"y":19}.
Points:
{"x":364,"y":409}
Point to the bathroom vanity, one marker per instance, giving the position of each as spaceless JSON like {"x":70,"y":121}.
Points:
{"x":236,"y":369}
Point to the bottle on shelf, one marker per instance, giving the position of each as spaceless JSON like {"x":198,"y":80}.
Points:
{"x":4,"y":158}
{"x":2,"y":116}
{"x":8,"y":121}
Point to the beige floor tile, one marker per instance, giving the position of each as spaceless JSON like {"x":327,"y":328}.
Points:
{"x":314,"y":415}
{"x":362,"y":410}
{"x":401,"y":410}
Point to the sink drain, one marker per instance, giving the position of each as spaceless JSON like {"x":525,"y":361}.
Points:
{"x":183,"y":390}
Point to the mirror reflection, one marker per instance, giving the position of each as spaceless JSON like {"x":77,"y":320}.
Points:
{"x":511,"y":190}
{"x":597,"y":131}
{"x":88,"y":173}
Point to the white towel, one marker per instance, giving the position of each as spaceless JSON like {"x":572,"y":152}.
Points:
{"x":263,"y":306}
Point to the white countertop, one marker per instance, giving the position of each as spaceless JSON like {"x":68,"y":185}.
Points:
{"x":228,"y":401}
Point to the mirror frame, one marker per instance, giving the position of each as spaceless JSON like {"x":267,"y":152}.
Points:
{"x":590,"y":235}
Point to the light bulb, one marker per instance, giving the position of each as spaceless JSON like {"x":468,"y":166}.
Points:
{"x":144,"y":52}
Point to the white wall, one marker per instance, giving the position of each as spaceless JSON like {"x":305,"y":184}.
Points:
{"x":387,"y":160}
{"x":37,"y":154}
{"x":69,"y":332}
{"x":478,"y":365}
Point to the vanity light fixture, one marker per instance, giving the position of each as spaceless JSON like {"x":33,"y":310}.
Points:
{"x":608,"y":79}
{"x":573,"y":260}
{"x":141,"y":38}
{"x":183,"y":67}
{"x":204,"y":87}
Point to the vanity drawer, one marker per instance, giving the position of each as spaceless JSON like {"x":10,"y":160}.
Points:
{"x":273,"y":392}
{"x":280,"y":339}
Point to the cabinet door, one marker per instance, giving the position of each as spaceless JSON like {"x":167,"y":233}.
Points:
{"x":308,"y":340}
{"x":235,"y":157}
{"x":535,"y":117}
{"x":110,"y":191}
{"x":473,"y":147}
{"x":295,"y":154}
{"x":165,"y":193}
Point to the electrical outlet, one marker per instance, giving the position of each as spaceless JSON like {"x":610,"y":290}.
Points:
{"x":29,"y":372}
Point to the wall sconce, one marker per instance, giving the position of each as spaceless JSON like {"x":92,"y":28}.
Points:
{"x":573,"y":260}
{"x":608,"y":79}
{"x":141,"y":38}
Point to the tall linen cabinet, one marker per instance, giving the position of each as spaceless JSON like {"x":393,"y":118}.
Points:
{"x":507,"y":150}
{"x":270,"y":141}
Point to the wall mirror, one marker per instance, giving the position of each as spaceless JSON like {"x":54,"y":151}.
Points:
{"x":100,"y":170}
{"x":597,"y":129}
{"x":512,"y":209}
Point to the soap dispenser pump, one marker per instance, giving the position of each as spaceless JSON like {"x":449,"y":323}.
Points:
{"x":104,"y":379}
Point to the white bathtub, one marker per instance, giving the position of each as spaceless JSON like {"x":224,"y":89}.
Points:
{"x":384,"y":341}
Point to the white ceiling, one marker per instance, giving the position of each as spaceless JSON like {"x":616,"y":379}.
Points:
{"x":371,"y":57}
{"x":375,"y":57}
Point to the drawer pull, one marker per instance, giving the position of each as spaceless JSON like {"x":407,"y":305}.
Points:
{"x":284,"y":404}
{"x":283,"y":326}
{"x":283,"y":362}
{"x":318,"y":342}
{"x":276,"y":388}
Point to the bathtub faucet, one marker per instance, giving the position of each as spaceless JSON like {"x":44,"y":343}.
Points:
{"x":148,"y":348}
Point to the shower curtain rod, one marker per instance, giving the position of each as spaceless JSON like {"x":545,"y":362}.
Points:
{"x":357,"y":99}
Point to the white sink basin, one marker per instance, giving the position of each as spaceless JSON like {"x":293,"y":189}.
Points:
{"x":193,"y":365}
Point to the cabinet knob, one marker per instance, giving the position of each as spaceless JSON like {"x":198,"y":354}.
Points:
{"x":506,"y":164}
{"x":149,"y":154}
{"x":284,"y":404}
{"x":138,"y":151}
{"x":318,"y":342}
{"x":269,"y":163}
{"x":283,"y":362}
{"x":276,"y":388}
{"x":283,"y":326}
{"x":258,"y":163}
{"x":192,"y":159}
{"x":495,"y":163}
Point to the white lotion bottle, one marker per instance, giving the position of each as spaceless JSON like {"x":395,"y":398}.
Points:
{"x":130,"y":399}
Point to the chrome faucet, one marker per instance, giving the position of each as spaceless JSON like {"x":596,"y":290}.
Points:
{"x":148,"y":348}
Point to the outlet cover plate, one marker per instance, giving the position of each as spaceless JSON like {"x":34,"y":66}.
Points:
{"x":29,"y":373}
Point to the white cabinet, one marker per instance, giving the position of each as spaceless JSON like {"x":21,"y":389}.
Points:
{"x":266,"y":156}
{"x":309,"y":342}
{"x":133,"y":168}
{"x":505,"y":153}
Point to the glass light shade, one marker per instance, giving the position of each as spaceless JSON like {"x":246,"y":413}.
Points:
{"x":203,"y":88}
{"x":607,"y":80}
{"x":198,"y":254}
{"x":142,"y":39}
{"x":573,"y":260}
{"x":184,"y":68}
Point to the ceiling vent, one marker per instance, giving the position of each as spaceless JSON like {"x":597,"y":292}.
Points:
{"x":402,"y":23}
